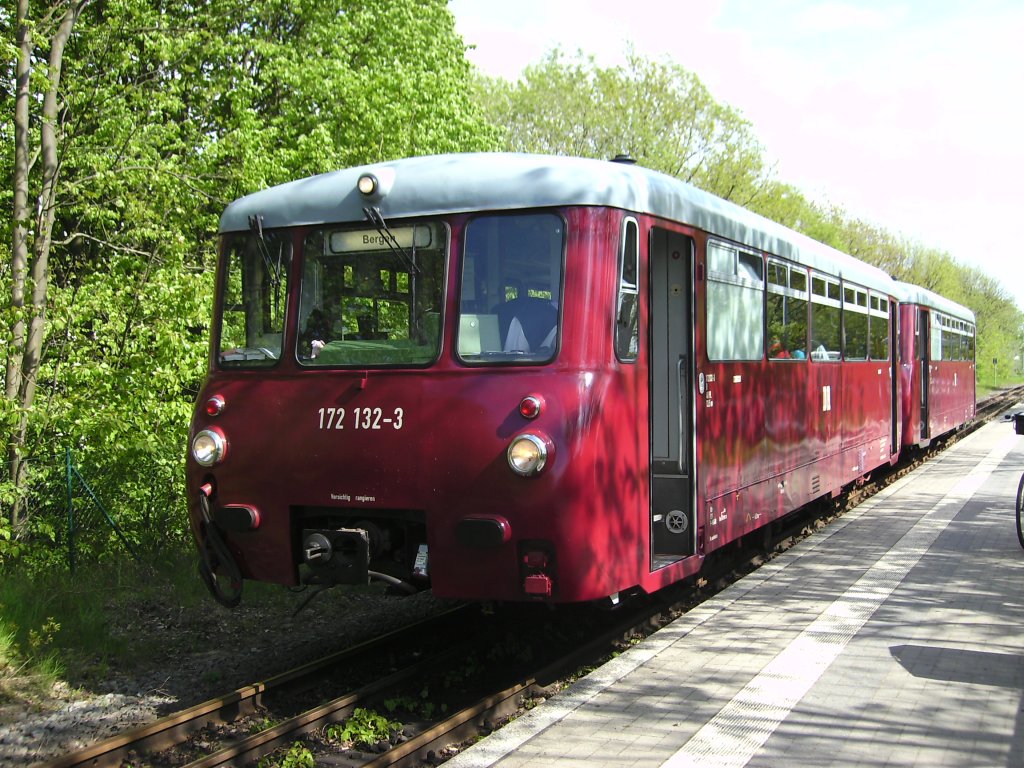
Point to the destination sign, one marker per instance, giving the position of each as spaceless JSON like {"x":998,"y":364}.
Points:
{"x":372,"y":240}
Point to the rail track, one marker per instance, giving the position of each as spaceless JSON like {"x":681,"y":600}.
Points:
{"x":258,"y":719}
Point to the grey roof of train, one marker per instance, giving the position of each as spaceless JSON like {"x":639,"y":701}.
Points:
{"x":458,"y":183}
{"x":915,"y":294}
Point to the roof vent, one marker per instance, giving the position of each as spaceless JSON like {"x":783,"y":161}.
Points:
{"x":625,"y":159}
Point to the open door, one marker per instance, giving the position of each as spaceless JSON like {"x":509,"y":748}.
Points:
{"x":673,"y":518}
{"x":923,"y":363}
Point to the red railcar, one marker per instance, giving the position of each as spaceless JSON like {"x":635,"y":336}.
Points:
{"x":512,"y":377}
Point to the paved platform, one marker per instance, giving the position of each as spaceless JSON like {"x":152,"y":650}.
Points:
{"x":895,"y":637}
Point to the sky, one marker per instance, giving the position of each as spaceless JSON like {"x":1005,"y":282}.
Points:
{"x":908,"y":114}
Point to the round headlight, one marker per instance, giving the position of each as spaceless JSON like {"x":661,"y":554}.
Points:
{"x":209,"y":447}
{"x":527,"y":455}
{"x":377,"y":183}
{"x":367,"y":184}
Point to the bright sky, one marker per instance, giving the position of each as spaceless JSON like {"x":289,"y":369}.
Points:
{"x":906,"y":113}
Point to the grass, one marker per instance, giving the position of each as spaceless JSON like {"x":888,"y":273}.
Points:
{"x":56,"y":627}
{"x":53,"y":623}
{"x":985,"y":388}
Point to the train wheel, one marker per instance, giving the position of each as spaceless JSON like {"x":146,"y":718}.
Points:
{"x":1020,"y":510}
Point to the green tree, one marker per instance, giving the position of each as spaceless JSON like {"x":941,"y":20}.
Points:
{"x":659,"y":114}
{"x":164,"y":113}
{"x":38,"y":56}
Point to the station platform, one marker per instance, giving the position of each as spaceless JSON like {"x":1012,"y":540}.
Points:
{"x":894,"y":637}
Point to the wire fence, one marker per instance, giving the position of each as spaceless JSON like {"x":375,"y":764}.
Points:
{"x":91,"y":511}
{"x":88,"y":516}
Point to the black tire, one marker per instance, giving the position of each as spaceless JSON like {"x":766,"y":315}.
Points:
{"x":1020,"y":510}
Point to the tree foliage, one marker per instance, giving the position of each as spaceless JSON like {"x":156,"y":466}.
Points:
{"x":165,"y":112}
{"x":660,"y":114}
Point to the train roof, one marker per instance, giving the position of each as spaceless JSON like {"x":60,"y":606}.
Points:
{"x":915,"y":294}
{"x":460,"y":183}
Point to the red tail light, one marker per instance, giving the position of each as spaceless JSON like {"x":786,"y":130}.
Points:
{"x":531,"y":406}
{"x":215,"y":405}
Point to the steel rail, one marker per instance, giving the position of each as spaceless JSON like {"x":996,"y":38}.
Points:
{"x":265,"y":742}
{"x":462,"y":724}
{"x":177,"y":727}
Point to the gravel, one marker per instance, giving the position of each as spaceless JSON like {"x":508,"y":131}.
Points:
{"x":188,"y":655}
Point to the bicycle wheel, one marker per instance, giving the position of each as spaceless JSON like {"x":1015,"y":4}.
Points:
{"x":1020,"y":510}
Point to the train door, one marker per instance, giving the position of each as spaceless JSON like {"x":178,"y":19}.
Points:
{"x":894,"y":377}
{"x":923,"y":348}
{"x":673,"y":520}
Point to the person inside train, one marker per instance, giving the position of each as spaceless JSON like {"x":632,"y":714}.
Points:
{"x":777,"y":350}
{"x":528,"y":323}
{"x":317,"y":329}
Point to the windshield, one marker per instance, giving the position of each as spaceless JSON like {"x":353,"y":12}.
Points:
{"x":365,"y":302}
{"x":511,"y":285}
{"x":253,"y":303}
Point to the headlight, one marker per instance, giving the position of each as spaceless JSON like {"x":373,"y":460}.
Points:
{"x":527,"y":455}
{"x":376,"y":184}
{"x":209,"y":447}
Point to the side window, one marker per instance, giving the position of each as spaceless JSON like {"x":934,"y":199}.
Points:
{"x":957,"y":339}
{"x":826,"y":312}
{"x":627,"y":328}
{"x":937,"y":334}
{"x":787,"y":312}
{"x":879,"y":327}
{"x":855,"y":321}
{"x":735,"y":300}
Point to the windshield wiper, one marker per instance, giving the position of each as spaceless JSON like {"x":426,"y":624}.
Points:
{"x":274,"y":270}
{"x":256,"y":230}
{"x":374,"y":216}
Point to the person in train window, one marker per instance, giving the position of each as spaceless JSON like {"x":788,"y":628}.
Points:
{"x":528,"y":323}
{"x":317,"y":329}
{"x":777,"y":351}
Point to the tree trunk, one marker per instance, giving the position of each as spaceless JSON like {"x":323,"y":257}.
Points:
{"x":19,"y":245}
{"x":25,"y":353}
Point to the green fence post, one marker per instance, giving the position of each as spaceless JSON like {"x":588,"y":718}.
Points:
{"x":71,"y":515}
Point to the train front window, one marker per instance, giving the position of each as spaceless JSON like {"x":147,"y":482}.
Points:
{"x":253,"y":299}
{"x":511,"y":288}
{"x":367,"y":302}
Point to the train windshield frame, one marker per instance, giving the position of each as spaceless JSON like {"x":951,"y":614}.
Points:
{"x":253,"y":304}
{"x":513,"y":271}
{"x":372,"y":298}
